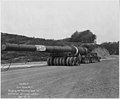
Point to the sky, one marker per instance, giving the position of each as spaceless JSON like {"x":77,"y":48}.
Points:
{"x":58,"y":19}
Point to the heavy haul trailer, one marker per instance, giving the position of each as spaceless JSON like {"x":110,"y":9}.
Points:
{"x":59,"y":55}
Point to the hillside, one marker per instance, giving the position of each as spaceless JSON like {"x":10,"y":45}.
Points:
{"x":26,"y":56}
{"x":36,"y":56}
{"x":23,"y":56}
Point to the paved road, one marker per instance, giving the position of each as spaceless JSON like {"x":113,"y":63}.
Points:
{"x":97,"y":80}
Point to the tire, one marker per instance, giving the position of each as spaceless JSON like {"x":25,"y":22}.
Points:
{"x":83,"y":60}
{"x":88,"y":60}
{"x":92,"y":60}
{"x":50,"y":61}
{"x":54,"y":61}
{"x":73,"y":61}
{"x":98,"y":60}
{"x":57,"y":61}
{"x":67,"y":61}
{"x":60,"y":61}
{"x":76,"y":62}
{"x":63,"y":61}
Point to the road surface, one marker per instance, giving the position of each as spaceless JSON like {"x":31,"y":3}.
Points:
{"x":96,"y":80}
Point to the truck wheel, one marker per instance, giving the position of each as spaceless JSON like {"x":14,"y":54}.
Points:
{"x":85,"y":60}
{"x":92,"y":60}
{"x":98,"y":60}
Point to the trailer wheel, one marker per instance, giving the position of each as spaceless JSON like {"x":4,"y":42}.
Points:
{"x":54,"y":61}
{"x":50,"y":61}
{"x":71,"y":61}
{"x":60,"y":61}
{"x":74,"y":61}
{"x":57,"y":60}
{"x":68,"y":61}
{"x":77,"y":61}
{"x":63,"y":61}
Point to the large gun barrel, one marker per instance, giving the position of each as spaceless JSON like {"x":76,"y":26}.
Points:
{"x":59,"y":55}
{"x":42,"y":48}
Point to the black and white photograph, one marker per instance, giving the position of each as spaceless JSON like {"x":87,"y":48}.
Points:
{"x":59,"y":49}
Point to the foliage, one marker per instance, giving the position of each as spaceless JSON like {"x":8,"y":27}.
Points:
{"x":112,"y":47}
{"x":84,"y":37}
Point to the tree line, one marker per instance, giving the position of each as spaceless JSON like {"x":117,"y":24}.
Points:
{"x":112,"y":47}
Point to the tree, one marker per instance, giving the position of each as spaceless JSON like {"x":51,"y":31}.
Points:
{"x":84,"y":37}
